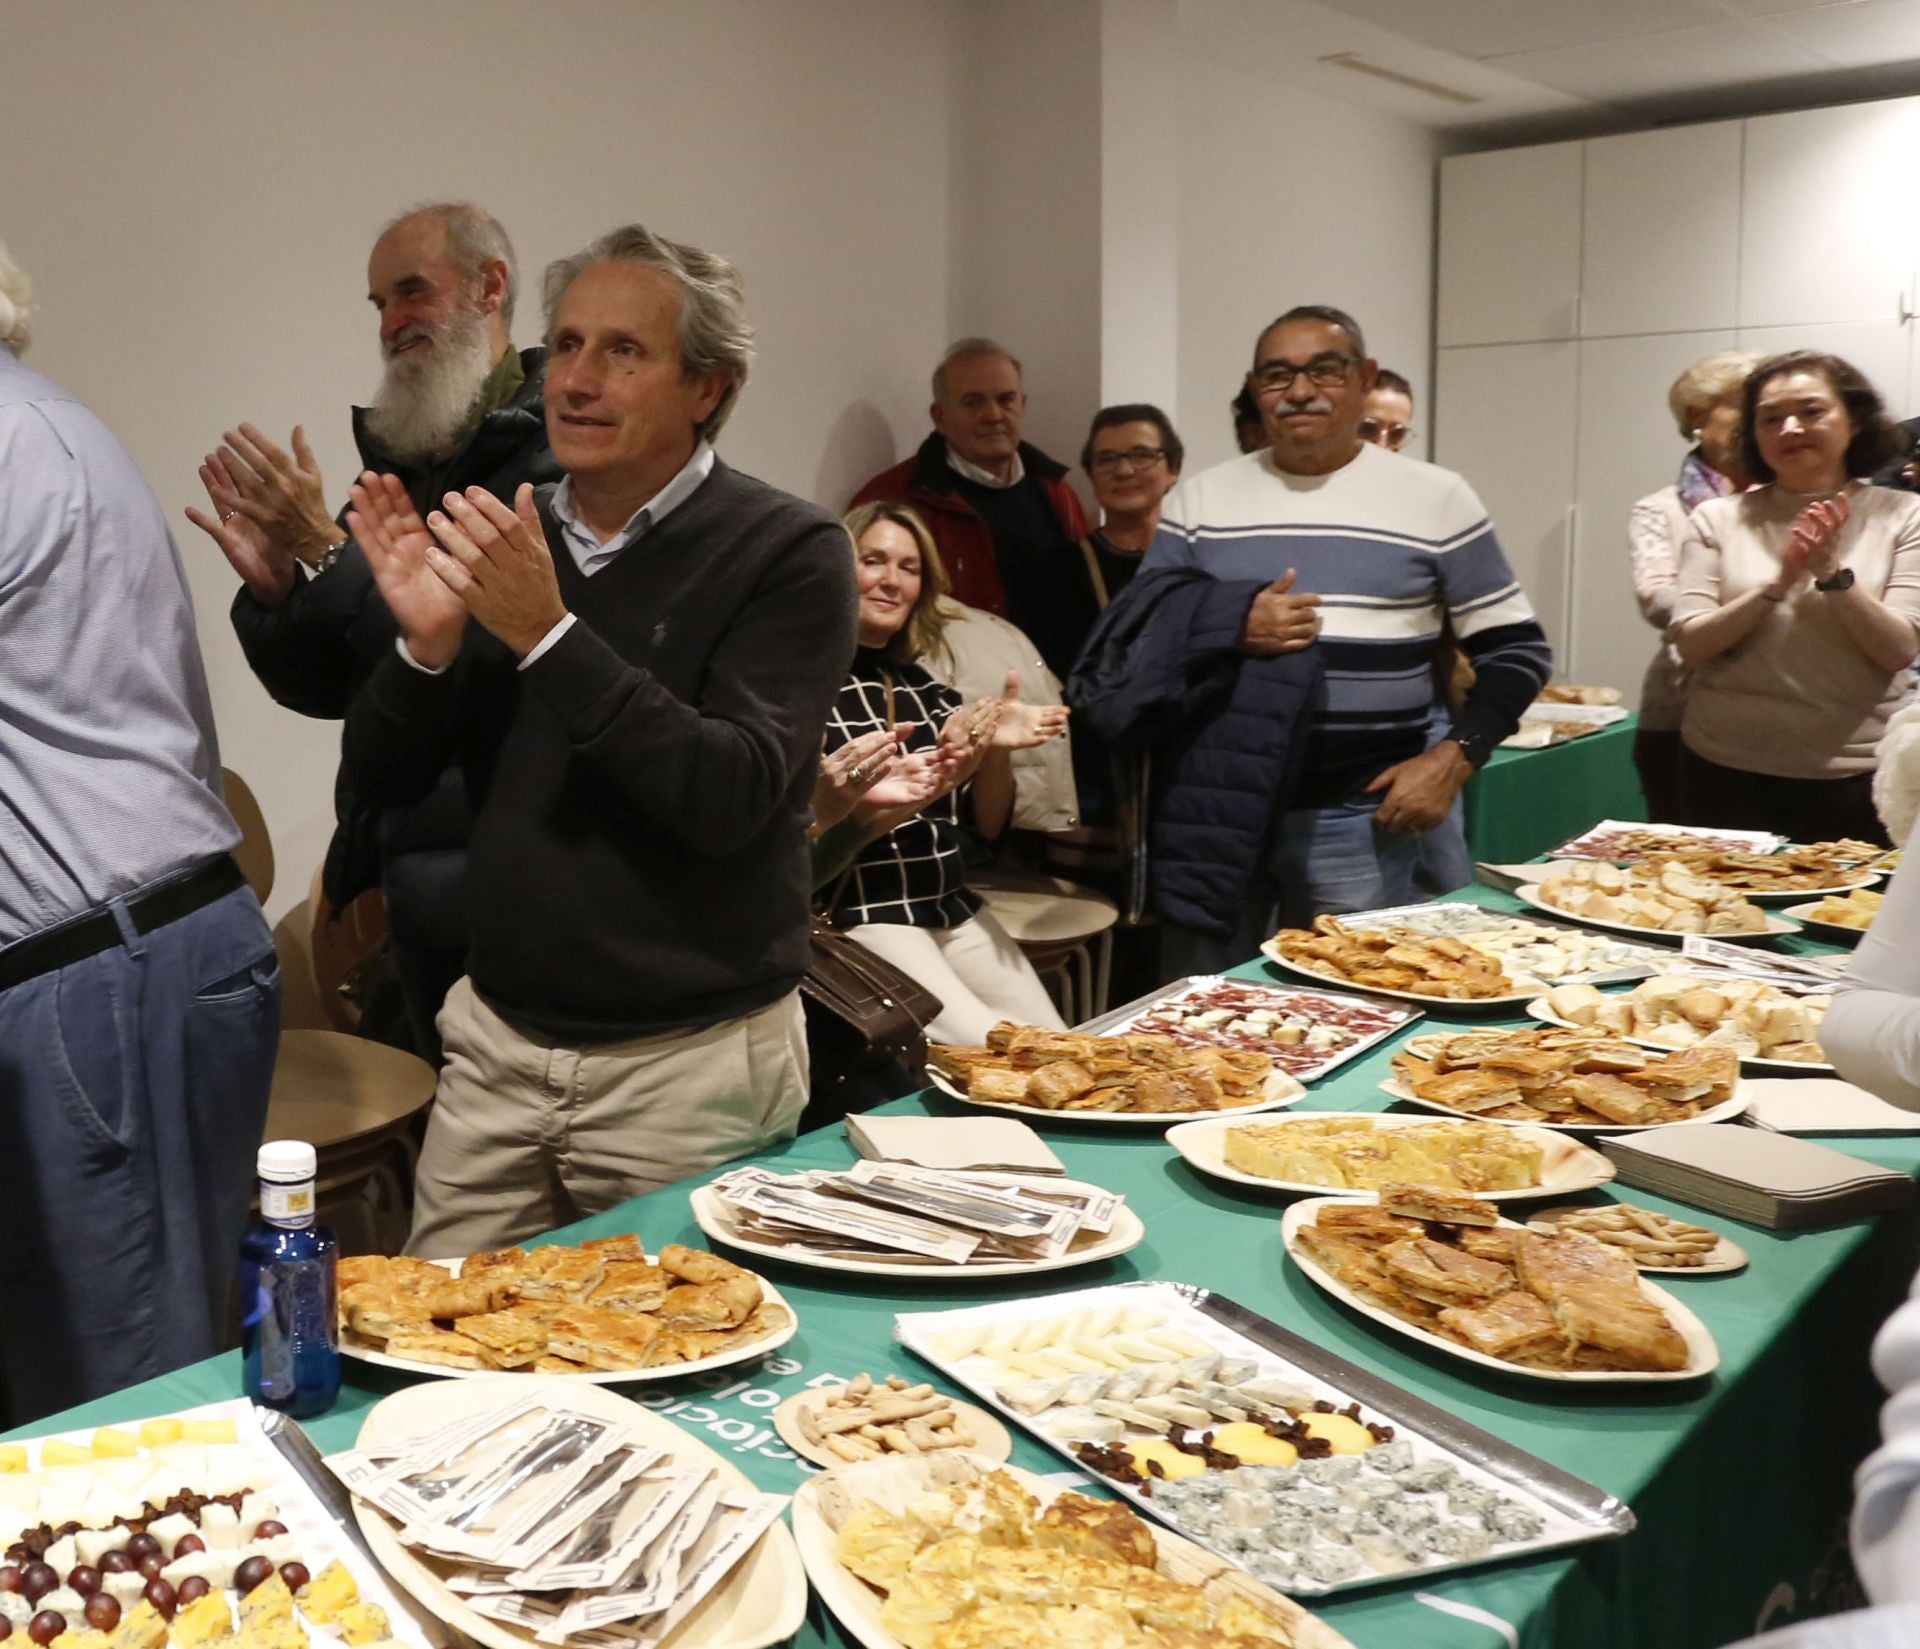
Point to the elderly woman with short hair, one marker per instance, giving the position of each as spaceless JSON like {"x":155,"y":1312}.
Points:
{"x":1705,"y":403}
{"x":1797,"y":611}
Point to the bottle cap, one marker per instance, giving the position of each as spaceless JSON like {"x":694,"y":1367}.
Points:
{"x":287,"y":1161}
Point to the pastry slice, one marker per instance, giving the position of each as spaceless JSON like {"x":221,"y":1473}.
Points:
{"x":1612,"y":1097}
{"x":494,"y":1262}
{"x":1426,"y":1202}
{"x":1514,"y":1323}
{"x":696,"y":1265}
{"x":442,"y":1347}
{"x":1364,"y":1221}
{"x":551,"y":1364}
{"x":958,"y":1061}
{"x":701,"y":1306}
{"x":603,"y":1339}
{"x":376,"y":1311}
{"x":1433,"y":1271}
{"x":630,"y":1285}
{"x":1472,"y":1090}
{"x":1182,"y":1090}
{"x":1594,"y":1294}
{"x":998,"y":1085}
{"x":1058,"y":1084}
{"x":689,"y":1345}
{"x":512,"y":1339}
{"x":560,"y":1274}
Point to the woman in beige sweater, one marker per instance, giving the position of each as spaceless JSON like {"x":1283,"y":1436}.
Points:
{"x":1797,"y":611}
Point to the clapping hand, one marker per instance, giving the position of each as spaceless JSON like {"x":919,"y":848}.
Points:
{"x":915,"y":781}
{"x":853,"y":770}
{"x":1022,"y":726}
{"x":497,"y":561}
{"x":264,"y":567}
{"x":280,"y":493}
{"x":1814,"y":544}
{"x":400,"y":552}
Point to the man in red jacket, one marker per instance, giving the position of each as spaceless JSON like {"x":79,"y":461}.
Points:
{"x":1007,"y":524}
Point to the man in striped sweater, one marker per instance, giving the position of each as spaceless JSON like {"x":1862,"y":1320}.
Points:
{"x":1363,"y":552}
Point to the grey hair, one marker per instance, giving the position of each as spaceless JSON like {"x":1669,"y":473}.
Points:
{"x":968,"y":349}
{"x":16,"y":294}
{"x":712,"y":327}
{"x":474,"y":237}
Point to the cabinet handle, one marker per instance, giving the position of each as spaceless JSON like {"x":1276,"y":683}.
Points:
{"x":1569,"y":542}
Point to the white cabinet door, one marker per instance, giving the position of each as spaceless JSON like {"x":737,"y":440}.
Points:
{"x":1509,"y":245}
{"x":1827,"y":229}
{"x":1881,"y":349}
{"x":1504,"y":418}
{"x":1629,"y":447}
{"x":1660,"y":247}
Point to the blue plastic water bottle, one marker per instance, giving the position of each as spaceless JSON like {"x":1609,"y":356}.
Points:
{"x":290,"y":1333}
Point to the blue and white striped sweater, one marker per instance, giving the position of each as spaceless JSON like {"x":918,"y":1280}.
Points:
{"x":1391,"y":546}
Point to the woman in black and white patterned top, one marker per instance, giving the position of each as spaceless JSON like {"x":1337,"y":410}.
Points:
{"x":904,"y":895}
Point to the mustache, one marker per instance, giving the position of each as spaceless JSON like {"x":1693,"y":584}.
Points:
{"x":1317,"y":404}
{"x":414,"y":334}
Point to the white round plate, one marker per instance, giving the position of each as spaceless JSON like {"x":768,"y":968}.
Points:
{"x":1703,"y":1356}
{"x":1438,"y":1004}
{"x":763,"y":1601}
{"x":1776,"y":926}
{"x":1748,"y":1062}
{"x":1835,"y":933}
{"x":991,"y":1440}
{"x":896,"y":1482}
{"x":1566,"y":1165}
{"x":713,"y":1217}
{"x":1724,"y":1256}
{"x":1280,"y":1091}
{"x":1860,"y":879}
{"x":592,"y":1376}
{"x":1725,"y":1111}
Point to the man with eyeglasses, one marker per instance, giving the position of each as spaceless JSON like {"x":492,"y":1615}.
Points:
{"x":1007,"y":524}
{"x":1362,"y":554}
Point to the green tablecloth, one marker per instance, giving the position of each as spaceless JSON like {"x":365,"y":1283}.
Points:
{"x":1525,"y":802}
{"x":1740,"y":1482}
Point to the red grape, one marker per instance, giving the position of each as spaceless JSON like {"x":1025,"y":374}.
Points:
{"x":9,"y":1579}
{"x":46,"y":1626}
{"x":295,"y":1575}
{"x":152,"y":1564}
{"x":116,"y":1562}
{"x":84,"y":1579}
{"x":188,"y":1543}
{"x":103,"y":1611}
{"x":269,"y":1529}
{"x":6,"y":1628}
{"x":161,"y":1595}
{"x":193,"y":1589}
{"x":37,"y":1580}
{"x":251,"y":1573}
{"x":142,"y":1545}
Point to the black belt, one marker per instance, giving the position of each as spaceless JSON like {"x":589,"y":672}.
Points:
{"x":89,"y":935}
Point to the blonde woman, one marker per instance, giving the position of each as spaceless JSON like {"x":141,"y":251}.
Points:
{"x":904,"y":896}
{"x":1705,"y":403}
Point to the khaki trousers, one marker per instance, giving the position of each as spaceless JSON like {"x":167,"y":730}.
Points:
{"x":527,"y":1135}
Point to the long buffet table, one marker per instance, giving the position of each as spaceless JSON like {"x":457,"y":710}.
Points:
{"x":1740,"y":1483}
{"x":1525,"y":802}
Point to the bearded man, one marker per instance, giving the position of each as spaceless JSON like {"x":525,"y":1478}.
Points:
{"x":457,"y":407}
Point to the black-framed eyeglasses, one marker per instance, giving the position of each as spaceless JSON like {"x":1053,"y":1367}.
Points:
{"x":1139,"y":457}
{"x":1324,"y":370}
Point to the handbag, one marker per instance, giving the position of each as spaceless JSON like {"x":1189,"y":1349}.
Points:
{"x":883,"y":1010}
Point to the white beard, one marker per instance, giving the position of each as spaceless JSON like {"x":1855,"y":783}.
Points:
{"x":425,"y":401}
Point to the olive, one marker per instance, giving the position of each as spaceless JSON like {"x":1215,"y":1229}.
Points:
{"x":9,"y":1579}
{"x":188,"y":1543}
{"x":193,"y":1589}
{"x":269,"y":1529}
{"x":115,"y":1562}
{"x":251,"y":1573}
{"x":162,"y":1596}
{"x":46,"y":1626}
{"x":295,"y":1575}
{"x":103,"y":1611}
{"x":152,"y":1564}
{"x":142,"y":1545}
{"x":37,"y":1580}
{"x":85,"y":1579}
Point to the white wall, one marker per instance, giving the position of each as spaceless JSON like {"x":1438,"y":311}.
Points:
{"x":1287,"y":196}
{"x":194,"y":188}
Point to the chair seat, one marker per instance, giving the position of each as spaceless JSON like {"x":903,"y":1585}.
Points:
{"x":331,"y":1089}
{"x":1044,"y":910}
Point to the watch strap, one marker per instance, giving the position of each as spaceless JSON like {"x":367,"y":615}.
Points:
{"x":1842,"y":580}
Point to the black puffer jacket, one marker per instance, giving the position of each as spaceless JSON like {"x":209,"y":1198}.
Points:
{"x":316,"y":649}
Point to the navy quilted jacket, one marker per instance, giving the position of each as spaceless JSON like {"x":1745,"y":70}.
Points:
{"x":1162,"y":677}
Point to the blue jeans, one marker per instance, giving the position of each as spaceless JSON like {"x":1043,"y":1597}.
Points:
{"x":133,"y":1094}
{"x":1317,"y":860}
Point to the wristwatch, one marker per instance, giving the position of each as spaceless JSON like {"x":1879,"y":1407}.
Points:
{"x":1476,"y":747}
{"x":1842,"y":580}
{"x":328,"y":556}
